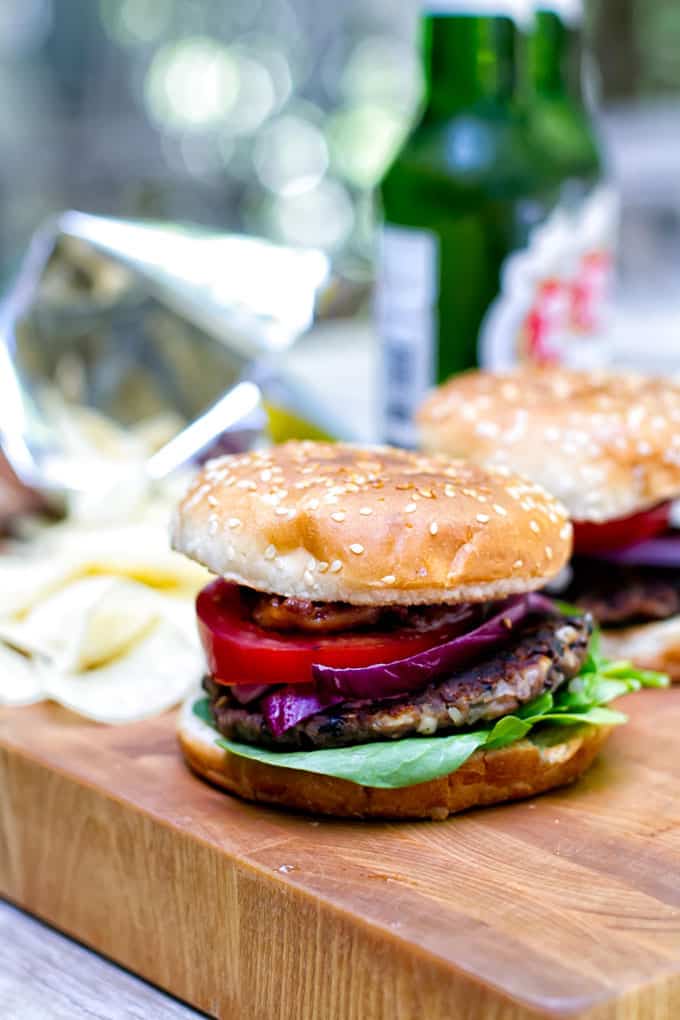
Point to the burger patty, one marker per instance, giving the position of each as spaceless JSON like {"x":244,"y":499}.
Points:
{"x":619,"y":595}
{"x":541,"y":658}
{"x":277,"y":612}
{"x":283,"y":613}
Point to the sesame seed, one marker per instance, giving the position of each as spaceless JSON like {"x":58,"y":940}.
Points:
{"x":313,"y":504}
{"x":270,"y":552}
{"x":565,"y":531}
{"x":517,"y":564}
{"x":311,"y":565}
{"x":365,"y":511}
{"x":483,"y":518}
{"x":434,"y":528}
{"x":534,"y":526}
{"x":212,"y":501}
{"x":266,"y":475}
{"x":548,"y":552}
{"x":410,"y":508}
{"x":322,"y":566}
{"x":212,"y":526}
{"x":281,"y":511}
{"x":388,"y":579}
{"x":338,"y":516}
{"x":449,"y":490}
{"x":500,"y":510}
{"x":246,"y":483}
{"x":336,"y":566}
{"x":356,"y":548}
{"x":234,"y":522}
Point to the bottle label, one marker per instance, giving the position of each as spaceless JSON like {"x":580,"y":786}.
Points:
{"x":407,"y":291}
{"x":554,"y":295}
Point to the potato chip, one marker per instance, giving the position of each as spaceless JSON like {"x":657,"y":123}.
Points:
{"x":155,"y":674}
{"x":21,"y":682}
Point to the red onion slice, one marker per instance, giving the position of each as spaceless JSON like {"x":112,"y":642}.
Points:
{"x":414,"y":673}
{"x":656,"y":552}
{"x":287,"y":706}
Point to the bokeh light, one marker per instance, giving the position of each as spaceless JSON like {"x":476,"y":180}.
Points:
{"x":291,"y":155}
{"x":192,"y":84}
{"x":362,"y":141}
{"x":384,"y":70}
{"x":131,"y":22}
{"x":321,"y":217}
{"x":271,"y":53}
{"x":255,"y":99}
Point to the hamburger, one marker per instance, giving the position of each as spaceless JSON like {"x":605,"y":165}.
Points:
{"x":374,"y":639}
{"x":607,"y":444}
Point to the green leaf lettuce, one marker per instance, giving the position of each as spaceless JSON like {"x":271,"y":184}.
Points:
{"x":401,"y":763}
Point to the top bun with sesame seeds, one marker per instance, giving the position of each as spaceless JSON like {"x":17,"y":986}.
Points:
{"x":606,"y":443}
{"x":371,"y":526}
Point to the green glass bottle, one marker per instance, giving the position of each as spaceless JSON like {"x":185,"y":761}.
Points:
{"x":463,"y":192}
{"x":478,"y":215}
{"x":561,"y":123}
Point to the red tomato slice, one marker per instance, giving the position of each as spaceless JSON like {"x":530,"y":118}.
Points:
{"x":621,"y":532}
{"x":240,"y":652}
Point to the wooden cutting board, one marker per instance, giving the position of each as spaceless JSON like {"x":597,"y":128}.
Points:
{"x":565,"y":906}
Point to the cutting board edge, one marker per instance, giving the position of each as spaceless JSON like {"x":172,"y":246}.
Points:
{"x":448,"y":982}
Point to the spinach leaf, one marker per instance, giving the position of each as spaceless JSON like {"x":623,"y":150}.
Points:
{"x":402,"y":763}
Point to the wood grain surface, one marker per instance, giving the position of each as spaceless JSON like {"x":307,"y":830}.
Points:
{"x":565,"y":906}
{"x":45,"y":976}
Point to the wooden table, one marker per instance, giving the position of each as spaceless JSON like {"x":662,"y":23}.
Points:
{"x":46,"y":976}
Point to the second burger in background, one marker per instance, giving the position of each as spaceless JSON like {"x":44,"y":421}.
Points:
{"x":374,"y":643}
{"x":607,"y":444}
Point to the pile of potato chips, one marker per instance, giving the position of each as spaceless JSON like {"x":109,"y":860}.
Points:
{"x":96,"y":612}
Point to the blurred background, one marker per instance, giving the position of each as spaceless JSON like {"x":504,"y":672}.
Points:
{"x":279,"y":116}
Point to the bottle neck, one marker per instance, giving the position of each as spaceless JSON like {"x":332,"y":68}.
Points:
{"x":555,"y":57}
{"x":469,"y":59}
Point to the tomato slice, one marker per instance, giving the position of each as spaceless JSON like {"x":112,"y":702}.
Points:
{"x":240,"y":652}
{"x":622,"y":531}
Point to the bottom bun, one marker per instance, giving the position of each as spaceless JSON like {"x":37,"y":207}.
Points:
{"x":541,"y":762}
{"x":648,"y":646}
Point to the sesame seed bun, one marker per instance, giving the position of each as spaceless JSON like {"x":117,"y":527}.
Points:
{"x":607,"y":444}
{"x":523,"y":769}
{"x":339,"y":523}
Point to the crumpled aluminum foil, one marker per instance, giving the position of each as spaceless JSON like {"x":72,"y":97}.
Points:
{"x":140,"y":319}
